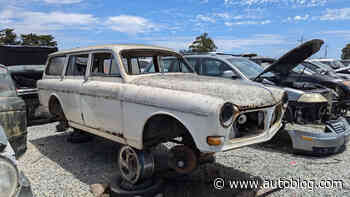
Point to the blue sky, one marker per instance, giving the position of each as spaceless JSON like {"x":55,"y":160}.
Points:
{"x":266,"y":27}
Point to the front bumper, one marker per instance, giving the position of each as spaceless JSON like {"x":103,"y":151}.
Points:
{"x":317,"y":141}
{"x":270,"y":130}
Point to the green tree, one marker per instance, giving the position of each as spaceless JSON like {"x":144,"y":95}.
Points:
{"x":8,"y":37}
{"x":203,"y":43}
{"x":38,"y":40}
{"x":346,"y":52}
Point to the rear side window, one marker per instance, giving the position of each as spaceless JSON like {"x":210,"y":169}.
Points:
{"x":77,"y":65}
{"x":56,"y":65}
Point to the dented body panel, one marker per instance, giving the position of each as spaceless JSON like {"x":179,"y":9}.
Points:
{"x":13,"y":116}
{"x":119,"y":108}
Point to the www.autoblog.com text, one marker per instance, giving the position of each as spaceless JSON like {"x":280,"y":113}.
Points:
{"x":287,"y":183}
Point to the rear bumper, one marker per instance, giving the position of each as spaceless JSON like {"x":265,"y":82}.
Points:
{"x":319,"y":142}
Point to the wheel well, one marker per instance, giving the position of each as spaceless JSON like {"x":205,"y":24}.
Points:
{"x":162,"y":128}
{"x":54,"y":104}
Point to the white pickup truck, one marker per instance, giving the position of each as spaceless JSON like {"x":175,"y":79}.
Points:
{"x":102,"y":90}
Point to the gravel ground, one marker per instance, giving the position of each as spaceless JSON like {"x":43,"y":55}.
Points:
{"x":58,"y":168}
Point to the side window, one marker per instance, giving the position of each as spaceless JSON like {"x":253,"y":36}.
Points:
{"x":195,"y":64}
{"x":77,"y":65}
{"x":55,"y":65}
{"x":103,"y":64}
{"x":173,"y":65}
{"x":213,"y":67}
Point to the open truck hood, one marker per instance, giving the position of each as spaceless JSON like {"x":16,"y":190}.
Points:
{"x":294,"y":57}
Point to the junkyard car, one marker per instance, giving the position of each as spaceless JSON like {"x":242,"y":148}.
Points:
{"x":13,"y":183}
{"x":26,"y":66}
{"x":346,"y":62}
{"x":320,"y":75}
{"x":12,"y":113}
{"x":312,"y":124}
{"x":335,"y":64}
{"x":102,"y":90}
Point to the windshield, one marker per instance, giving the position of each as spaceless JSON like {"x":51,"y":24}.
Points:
{"x":7,"y":88}
{"x":321,"y":65}
{"x":301,"y":69}
{"x":248,"y":68}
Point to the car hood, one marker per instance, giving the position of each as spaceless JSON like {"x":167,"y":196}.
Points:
{"x":294,"y":57}
{"x":244,"y":94}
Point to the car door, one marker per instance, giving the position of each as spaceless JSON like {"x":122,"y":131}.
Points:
{"x":73,"y":79}
{"x":101,"y":102}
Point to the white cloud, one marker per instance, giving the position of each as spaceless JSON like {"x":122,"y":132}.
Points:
{"x":336,"y":14}
{"x":344,"y":34}
{"x":130,"y":24}
{"x":28,"y":21}
{"x":301,"y":18}
{"x":229,"y":24}
{"x":227,"y":44}
{"x":224,"y":15}
{"x":303,"y":3}
{"x":203,"y":18}
{"x":62,"y":1}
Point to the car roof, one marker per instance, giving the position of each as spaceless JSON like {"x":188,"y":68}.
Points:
{"x":219,"y":56}
{"x":111,"y":47}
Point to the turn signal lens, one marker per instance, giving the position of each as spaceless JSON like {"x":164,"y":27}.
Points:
{"x":306,"y":138}
{"x":214,"y":140}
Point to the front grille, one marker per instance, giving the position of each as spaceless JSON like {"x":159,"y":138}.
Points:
{"x":338,"y":126}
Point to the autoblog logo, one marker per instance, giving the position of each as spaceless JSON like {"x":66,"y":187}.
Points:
{"x":219,"y":183}
{"x":291,"y":183}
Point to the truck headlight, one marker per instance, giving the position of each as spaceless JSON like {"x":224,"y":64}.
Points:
{"x":312,"y":98}
{"x":228,"y":113}
{"x":9,"y":177}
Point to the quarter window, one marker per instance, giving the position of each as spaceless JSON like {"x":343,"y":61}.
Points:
{"x":77,"y":65}
{"x":103,"y":64}
{"x":56,"y":65}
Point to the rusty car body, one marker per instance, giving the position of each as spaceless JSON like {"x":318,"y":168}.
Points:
{"x":26,"y":66}
{"x":12,"y":113}
{"x":314,"y":125}
{"x":102,"y":90}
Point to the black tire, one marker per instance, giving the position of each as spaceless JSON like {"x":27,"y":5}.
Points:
{"x":148,"y":188}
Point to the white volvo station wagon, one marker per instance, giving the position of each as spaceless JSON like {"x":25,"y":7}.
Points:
{"x":102,"y":90}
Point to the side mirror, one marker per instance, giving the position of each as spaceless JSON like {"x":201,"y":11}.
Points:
{"x":229,"y":74}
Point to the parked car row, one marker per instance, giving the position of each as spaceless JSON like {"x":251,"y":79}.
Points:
{"x":142,"y":96}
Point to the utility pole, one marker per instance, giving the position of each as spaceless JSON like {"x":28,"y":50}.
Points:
{"x":326,"y":51}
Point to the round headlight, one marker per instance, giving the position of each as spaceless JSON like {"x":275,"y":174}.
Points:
{"x":227,"y":113}
{"x":8,"y":177}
